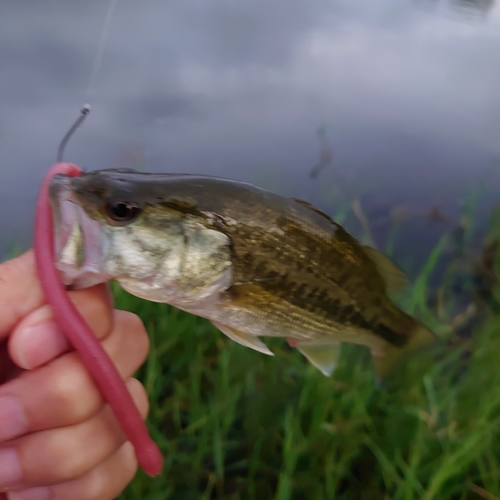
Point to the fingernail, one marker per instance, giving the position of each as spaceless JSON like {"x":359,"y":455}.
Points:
{"x":10,"y":468}
{"x":13,"y":421}
{"x":30,"y":494}
{"x":40,"y":344}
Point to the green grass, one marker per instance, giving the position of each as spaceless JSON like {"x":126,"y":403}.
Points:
{"x":235,"y":424}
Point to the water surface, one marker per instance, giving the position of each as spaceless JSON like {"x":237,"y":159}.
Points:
{"x":405,"y":94}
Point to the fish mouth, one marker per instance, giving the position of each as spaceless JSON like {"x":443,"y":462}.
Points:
{"x":79,"y":241}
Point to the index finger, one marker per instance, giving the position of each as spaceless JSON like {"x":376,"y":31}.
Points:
{"x":20,"y":291}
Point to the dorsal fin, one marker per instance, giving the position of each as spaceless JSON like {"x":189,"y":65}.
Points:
{"x":315,"y":210}
{"x":394,"y":277}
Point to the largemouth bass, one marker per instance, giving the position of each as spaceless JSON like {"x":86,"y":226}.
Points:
{"x":254,"y":263}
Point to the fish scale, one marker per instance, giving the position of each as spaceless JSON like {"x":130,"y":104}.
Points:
{"x":317,"y":301}
{"x":253,"y":262}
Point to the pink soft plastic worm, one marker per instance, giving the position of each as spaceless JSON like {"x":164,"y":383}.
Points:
{"x":80,"y":335}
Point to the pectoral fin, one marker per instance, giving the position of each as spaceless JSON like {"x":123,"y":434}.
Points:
{"x":243,"y":338}
{"x":324,"y":356}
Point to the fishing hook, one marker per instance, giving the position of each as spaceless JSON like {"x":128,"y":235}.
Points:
{"x":83,"y":113}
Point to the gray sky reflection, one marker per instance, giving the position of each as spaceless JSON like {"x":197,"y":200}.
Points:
{"x":408,"y":92}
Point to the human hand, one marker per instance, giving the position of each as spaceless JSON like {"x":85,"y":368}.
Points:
{"x":59,"y":440}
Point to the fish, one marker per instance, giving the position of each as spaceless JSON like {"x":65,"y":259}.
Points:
{"x":254,"y":263}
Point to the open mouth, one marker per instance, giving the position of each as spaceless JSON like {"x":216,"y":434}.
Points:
{"x":78,"y":240}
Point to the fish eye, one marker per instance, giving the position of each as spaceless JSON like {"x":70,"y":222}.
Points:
{"x":121,"y":211}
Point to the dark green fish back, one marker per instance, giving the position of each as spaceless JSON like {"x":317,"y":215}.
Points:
{"x":289,"y":259}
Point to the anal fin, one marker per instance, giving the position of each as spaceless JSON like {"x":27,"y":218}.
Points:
{"x":243,"y":338}
{"x":324,"y":356}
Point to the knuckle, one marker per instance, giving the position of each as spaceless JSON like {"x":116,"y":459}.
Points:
{"x":136,"y":332}
{"x":11,"y":269}
{"x":65,"y":461}
{"x":128,"y":466}
{"x":71,"y":391}
{"x":130,"y":319}
{"x":104,"y":483}
{"x":18,"y":278}
{"x":93,"y":306}
{"x":62,"y":458}
{"x":139,"y":395}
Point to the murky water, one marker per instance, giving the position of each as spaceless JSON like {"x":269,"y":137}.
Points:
{"x":397,"y":100}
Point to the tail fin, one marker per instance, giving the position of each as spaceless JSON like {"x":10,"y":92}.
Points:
{"x":420,"y":338}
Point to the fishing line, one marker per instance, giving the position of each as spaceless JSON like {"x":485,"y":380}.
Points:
{"x":100,"y":50}
{"x":93,"y":77}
